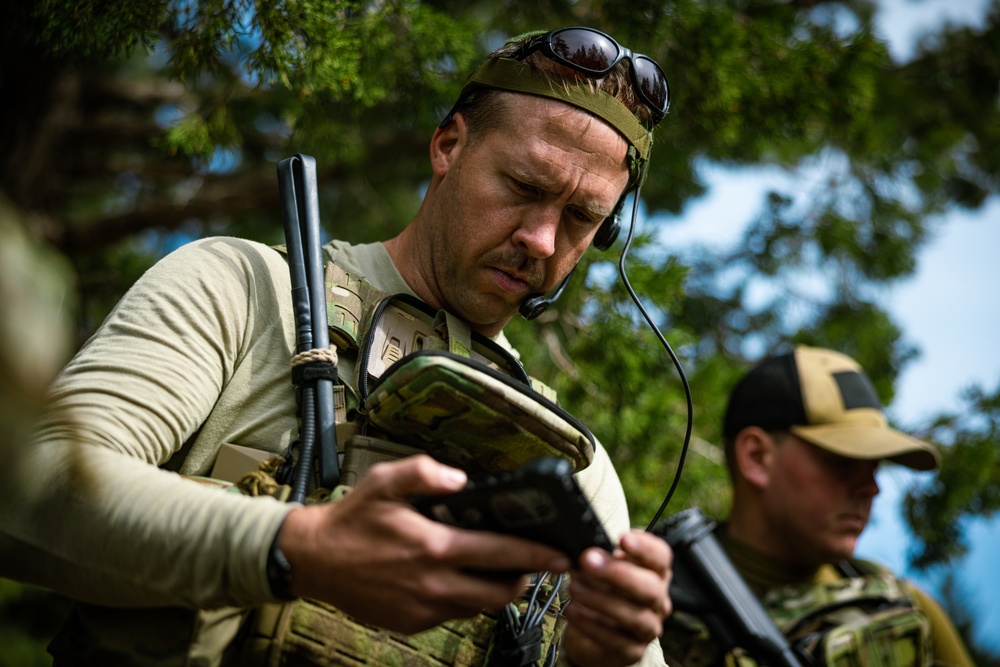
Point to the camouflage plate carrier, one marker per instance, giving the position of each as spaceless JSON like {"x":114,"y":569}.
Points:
{"x":866,"y":619}
{"x":436,"y":387}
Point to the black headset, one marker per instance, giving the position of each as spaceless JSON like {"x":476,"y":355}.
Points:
{"x":608,"y":232}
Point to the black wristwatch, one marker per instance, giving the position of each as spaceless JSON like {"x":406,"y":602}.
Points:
{"x":279,"y":572}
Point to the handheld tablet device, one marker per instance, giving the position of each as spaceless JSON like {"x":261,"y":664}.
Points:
{"x":539,"y":501}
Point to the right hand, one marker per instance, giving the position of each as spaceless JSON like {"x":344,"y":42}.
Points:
{"x":373,"y":556}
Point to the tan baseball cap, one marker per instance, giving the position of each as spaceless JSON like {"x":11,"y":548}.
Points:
{"x":825,"y":398}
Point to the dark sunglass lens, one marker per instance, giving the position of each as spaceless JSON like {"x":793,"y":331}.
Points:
{"x":652,"y":82}
{"x":588,"y":50}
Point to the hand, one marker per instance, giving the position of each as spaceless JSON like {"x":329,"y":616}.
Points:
{"x":374,"y":557}
{"x":618,"y":602}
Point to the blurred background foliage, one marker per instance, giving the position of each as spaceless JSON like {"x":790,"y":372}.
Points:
{"x":128,"y":129}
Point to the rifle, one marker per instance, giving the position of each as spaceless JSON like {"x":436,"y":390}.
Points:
{"x":706,"y":584}
{"x":300,"y":212}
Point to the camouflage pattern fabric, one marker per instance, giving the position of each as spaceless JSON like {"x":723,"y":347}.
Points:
{"x":307,"y":633}
{"x":463,"y":412}
{"x":866,"y":621}
{"x":310,"y":633}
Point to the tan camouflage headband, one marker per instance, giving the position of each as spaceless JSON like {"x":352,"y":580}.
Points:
{"x":515,"y":76}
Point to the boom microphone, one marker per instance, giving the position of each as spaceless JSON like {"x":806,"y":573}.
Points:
{"x":536,"y":304}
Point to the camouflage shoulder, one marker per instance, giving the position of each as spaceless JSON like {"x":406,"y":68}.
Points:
{"x":687,"y":641}
{"x":867,"y":567}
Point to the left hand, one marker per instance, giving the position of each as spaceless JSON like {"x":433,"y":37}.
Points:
{"x":618,"y":602}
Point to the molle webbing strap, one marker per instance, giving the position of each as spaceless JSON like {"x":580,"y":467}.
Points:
{"x":455,"y":331}
{"x":351,"y":301}
{"x":348,"y":297}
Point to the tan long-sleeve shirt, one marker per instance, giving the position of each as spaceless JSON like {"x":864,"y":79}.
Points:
{"x":196,"y":354}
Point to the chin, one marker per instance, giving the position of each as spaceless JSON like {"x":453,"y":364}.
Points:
{"x":493,"y":313}
{"x":843,"y":550}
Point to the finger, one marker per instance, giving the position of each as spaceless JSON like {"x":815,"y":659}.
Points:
{"x":486,"y":551}
{"x":617,"y":614}
{"x":587,"y":634}
{"x":471,"y":590}
{"x":413,"y":474}
{"x":620,"y":577}
{"x":648,"y":551}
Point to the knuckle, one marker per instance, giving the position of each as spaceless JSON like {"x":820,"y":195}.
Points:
{"x":379,"y":472}
{"x":436,"y":552}
{"x":425,"y":466}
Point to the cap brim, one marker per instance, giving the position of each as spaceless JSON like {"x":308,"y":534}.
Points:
{"x":871,"y":442}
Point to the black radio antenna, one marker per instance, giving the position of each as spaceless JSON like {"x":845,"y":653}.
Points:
{"x":300,"y":212}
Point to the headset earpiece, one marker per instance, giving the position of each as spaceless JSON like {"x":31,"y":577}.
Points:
{"x":607,"y":233}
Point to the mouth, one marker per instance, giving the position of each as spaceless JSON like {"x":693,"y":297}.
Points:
{"x":854,"y":522}
{"x":511,"y":281}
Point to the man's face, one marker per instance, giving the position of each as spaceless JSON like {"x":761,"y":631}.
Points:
{"x":817,"y":503}
{"x":516,"y":207}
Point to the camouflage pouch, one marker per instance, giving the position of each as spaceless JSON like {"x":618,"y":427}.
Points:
{"x":467,"y":413}
{"x":888,"y":634}
{"x":863,"y":620}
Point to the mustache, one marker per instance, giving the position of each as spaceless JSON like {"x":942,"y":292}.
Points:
{"x":514,"y":261}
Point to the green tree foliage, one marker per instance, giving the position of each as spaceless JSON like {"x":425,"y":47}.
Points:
{"x":130,"y":128}
{"x":968,"y":485}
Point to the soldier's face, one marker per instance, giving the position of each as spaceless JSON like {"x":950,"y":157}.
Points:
{"x":818,"y":502}
{"x":516,"y":206}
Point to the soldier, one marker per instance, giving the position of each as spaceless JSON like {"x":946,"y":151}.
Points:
{"x":529,"y":169}
{"x":804,"y":436}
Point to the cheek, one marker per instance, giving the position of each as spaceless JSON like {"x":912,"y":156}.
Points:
{"x":801,"y":486}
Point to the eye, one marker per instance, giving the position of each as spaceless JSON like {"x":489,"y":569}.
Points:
{"x":839,"y":465}
{"x":524,"y":187}
{"x":582,"y":217}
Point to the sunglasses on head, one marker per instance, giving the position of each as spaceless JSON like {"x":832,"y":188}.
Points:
{"x":595,"y":54}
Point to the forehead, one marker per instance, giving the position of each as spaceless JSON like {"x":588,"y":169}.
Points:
{"x":563,"y":136}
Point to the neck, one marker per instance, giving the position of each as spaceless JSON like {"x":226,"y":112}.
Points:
{"x":761,"y":570}
{"x":410,"y":258}
{"x":405,"y":253}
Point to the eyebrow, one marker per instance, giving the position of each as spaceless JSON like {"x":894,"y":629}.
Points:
{"x":546,"y":184}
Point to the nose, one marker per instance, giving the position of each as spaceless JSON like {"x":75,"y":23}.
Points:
{"x":536,"y":234}
{"x":864,"y":475}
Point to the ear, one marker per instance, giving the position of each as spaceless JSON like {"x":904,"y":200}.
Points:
{"x":754,"y":454}
{"x":447,"y":143}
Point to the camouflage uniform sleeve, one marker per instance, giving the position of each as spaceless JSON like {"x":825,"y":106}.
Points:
{"x":100,"y":521}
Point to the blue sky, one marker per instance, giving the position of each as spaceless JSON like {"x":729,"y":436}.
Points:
{"x":949,"y":309}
